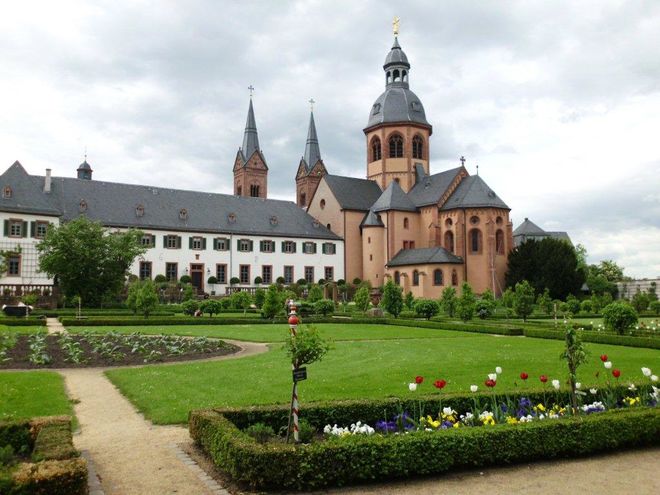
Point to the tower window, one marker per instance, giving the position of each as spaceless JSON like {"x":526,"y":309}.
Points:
{"x":396,"y":146}
{"x":254,"y":190}
{"x":303,"y":199}
{"x":418,"y":147}
{"x":397,"y":278}
{"x":449,"y":241}
{"x":396,"y":75}
{"x":406,"y":223}
{"x":376,"y":153}
{"x":475,"y":241}
{"x":437,"y":277}
{"x":499,"y":241}
{"x":415,"y":278}
{"x":454,"y":278}
{"x":322,"y":203}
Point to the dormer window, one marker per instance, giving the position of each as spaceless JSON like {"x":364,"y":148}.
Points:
{"x":416,"y":106}
{"x":7,"y":192}
{"x":231,"y":218}
{"x":273,"y":220}
{"x":183,"y":214}
{"x":82,"y":206}
{"x":376,"y":109}
{"x":139,"y":211}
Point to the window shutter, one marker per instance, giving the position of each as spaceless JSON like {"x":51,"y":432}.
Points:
{"x":314,"y":250}
{"x":6,"y":228}
{"x":251,"y":246}
{"x":261,"y":246}
{"x":24,"y":230}
{"x":178,"y":242}
{"x":295,"y":245}
{"x":164,"y":241}
{"x":204,"y":243}
{"x":33,"y":229}
{"x":215,"y":244}
{"x":153,"y":240}
{"x":189,"y":242}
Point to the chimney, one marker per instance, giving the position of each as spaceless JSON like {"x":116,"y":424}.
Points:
{"x":47,"y":181}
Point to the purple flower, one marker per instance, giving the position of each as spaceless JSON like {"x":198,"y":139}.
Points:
{"x":386,"y":426}
{"x":504,"y":408}
{"x":525,"y":402}
{"x":447,"y":424}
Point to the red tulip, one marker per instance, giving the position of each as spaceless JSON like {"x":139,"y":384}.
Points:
{"x":440,"y":384}
{"x":616,"y":373}
{"x":490,"y":383}
{"x":543,"y":378}
{"x":603,"y":357}
{"x":419,"y":379}
{"x":524,"y":376}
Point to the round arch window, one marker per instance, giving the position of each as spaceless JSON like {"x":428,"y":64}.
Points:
{"x":474,"y":220}
{"x":449,"y":222}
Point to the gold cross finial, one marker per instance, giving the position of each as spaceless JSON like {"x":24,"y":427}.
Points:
{"x":311,"y":104}
{"x":251,"y":88}
{"x":395,"y":25}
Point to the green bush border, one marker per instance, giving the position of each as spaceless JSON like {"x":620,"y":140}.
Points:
{"x":357,"y":459}
{"x":596,"y":337}
{"x":23,"y":322}
{"x":55,"y":469}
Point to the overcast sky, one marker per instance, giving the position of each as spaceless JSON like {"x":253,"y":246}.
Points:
{"x":557,"y":102}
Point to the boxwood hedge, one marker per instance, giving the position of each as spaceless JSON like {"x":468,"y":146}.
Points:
{"x":596,"y":337}
{"x":355,"y":459}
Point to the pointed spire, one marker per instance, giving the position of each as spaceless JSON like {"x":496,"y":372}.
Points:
{"x":312,"y":150}
{"x":250,"y":138}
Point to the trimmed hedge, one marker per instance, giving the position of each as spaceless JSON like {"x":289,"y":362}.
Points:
{"x":596,"y":337}
{"x":358,"y":458}
{"x":463,"y":327}
{"x":23,"y":322}
{"x":55,"y":313}
{"x":55,"y":468}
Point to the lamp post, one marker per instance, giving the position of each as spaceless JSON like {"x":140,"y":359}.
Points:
{"x":293,"y":414}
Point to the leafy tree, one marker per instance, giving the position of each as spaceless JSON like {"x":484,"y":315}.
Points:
{"x":523,"y":302}
{"x":188,"y":292}
{"x":88,"y":261}
{"x":211,"y":306}
{"x":272,"y":303}
{"x":609,"y":269}
{"x":409,"y":301}
{"x":575,"y":355}
{"x":466,"y":304}
{"x":241,"y":300}
{"x":640,"y":301}
{"x":306,"y":347}
{"x":315,"y":294}
{"x":619,"y":316}
{"x":448,"y":301}
{"x":189,"y":307}
{"x":324,"y":306}
{"x":573,"y":304}
{"x":598,"y":284}
{"x":427,"y":308}
{"x":581,"y":257}
{"x":586,"y":306}
{"x":550,"y":263}
{"x":131,"y":296}
{"x":655,"y":307}
{"x":507,"y":298}
{"x":146,"y":299}
{"x":544,"y":301}
{"x":485,"y":306}
{"x":259,"y":296}
{"x":392,"y":300}
{"x":362,"y":299}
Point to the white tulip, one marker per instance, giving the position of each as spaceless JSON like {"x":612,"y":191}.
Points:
{"x":492,"y":376}
{"x":607,"y":364}
{"x":498,"y":370}
{"x":646,"y":371}
{"x":654,"y":378}
{"x":593,"y":391}
{"x":632,"y":387}
{"x":473,"y":388}
{"x":555,"y":383}
{"x":412,"y":386}
{"x":578,"y":385}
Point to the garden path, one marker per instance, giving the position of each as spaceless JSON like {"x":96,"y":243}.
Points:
{"x":131,"y":455}
{"x":54,"y":326}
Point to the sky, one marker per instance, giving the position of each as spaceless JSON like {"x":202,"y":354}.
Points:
{"x":558,"y":103}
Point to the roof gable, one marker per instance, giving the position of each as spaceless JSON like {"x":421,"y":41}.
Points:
{"x":473,"y":192}
{"x":429,"y":189}
{"x":393,"y":198}
{"x":27,"y":192}
{"x":353,"y":193}
{"x":424,"y":256}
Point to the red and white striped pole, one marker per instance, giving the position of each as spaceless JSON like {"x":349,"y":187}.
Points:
{"x":293,"y":325}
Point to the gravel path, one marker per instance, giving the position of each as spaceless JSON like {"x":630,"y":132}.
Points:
{"x":54,"y":326}
{"x":130,"y":455}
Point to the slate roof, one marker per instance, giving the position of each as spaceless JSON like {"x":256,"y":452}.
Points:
{"x":424,"y":256}
{"x":396,"y":56}
{"x":429,"y":189}
{"x":114,"y":205}
{"x":250,"y":137}
{"x":85,"y":166}
{"x":312,"y":150}
{"x":371,"y":219}
{"x":393,"y":198}
{"x":473,"y":192}
{"x":528,"y":228}
{"x":353,"y":193}
{"x":397,"y":104}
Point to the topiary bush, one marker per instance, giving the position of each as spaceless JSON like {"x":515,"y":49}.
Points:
{"x":211,"y":306}
{"x":619,"y":316}
{"x":189,"y":307}
{"x":426,"y":308}
{"x":324,"y":307}
{"x":185,"y":279}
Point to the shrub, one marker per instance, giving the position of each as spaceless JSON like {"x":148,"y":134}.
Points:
{"x":655,"y":307}
{"x":466,"y":303}
{"x":160,"y":279}
{"x":234,"y":281}
{"x":426,"y":308}
{"x":324,"y":307}
{"x":211,"y":306}
{"x":188,"y":292}
{"x":357,"y":281}
{"x":448,"y":301}
{"x":185,"y":279}
{"x":258,"y":280}
{"x":392,"y":301}
{"x":280,"y":280}
{"x":586,"y":306}
{"x":573,"y":304}
{"x":189,"y":307}
{"x":640,"y":301}
{"x":306,"y":431}
{"x":523,"y":299}
{"x":409,"y":301}
{"x":260,"y":432}
{"x":272,"y":304}
{"x":302,"y":282}
{"x":306,"y":347}
{"x":241,"y":300}
{"x":362,"y":299}
{"x":596,"y":337}
{"x":619,"y":316}
{"x":146,"y":298}
{"x":259,"y":296}
{"x":315,"y":294}
{"x":212,"y":280}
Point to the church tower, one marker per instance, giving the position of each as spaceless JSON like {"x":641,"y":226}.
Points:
{"x":250,"y":169}
{"x":397,"y":132}
{"x":310,"y":168}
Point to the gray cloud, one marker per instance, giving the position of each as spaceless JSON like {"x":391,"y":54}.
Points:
{"x":556,"y":102}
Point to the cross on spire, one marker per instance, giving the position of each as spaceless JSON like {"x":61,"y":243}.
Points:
{"x":462,"y":159}
{"x":395,"y":25}
{"x":311,"y":104}
{"x":85,"y":152}
{"x":251,"y":88}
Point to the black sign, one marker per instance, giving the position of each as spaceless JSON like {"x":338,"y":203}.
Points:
{"x":299,"y":374}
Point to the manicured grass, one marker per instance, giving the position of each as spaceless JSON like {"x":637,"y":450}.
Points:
{"x":364,"y":369}
{"x":36,"y":393}
{"x":597,"y":321}
{"x":279,"y":332}
{"x":5,"y":330}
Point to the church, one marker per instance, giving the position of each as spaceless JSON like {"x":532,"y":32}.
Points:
{"x":425,"y":231}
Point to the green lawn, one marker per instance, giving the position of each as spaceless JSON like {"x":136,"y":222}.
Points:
{"x":362,"y":369}
{"x":34,"y":393}
{"x":279,"y":332}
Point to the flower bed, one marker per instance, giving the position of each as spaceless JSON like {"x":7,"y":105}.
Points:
{"x":38,"y":457}
{"x":451,"y":432}
{"x":108,"y":349}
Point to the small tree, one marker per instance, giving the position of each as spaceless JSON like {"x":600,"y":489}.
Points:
{"x":448,"y":301}
{"x":544,"y":301}
{"x":212,"y":280}
{"x":507,"y":298}
{"x":259,"y":297}
{"x":427,"y":308}
{"x":211,"y":306}
{"x":619,"y":316}
{"x":485,"y":306}
{"x":160,"y":279}
{"x":362,"y":299}
{"x":241,"y":300}
{"x":324,"y":306}
{"x":258,"y":280}
{"x":272,"y":304}
{"x":185,"y":279}
{"x":655,"y":307}
{"x":147,"y":298}
{"x":575,"y":355}
{"x":234,"y":281}
{"x":315,"y":294}
{"x":409,"y":301}
{"x":392,"y":300}
{"x":188,"y":292}
{"x":573,"y":304}
{"x":466,"y":304}
{"x":640,"y":301}
{"x":131,"y":296}
{"x":523,"y":299}
{"x":189,"y":307}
